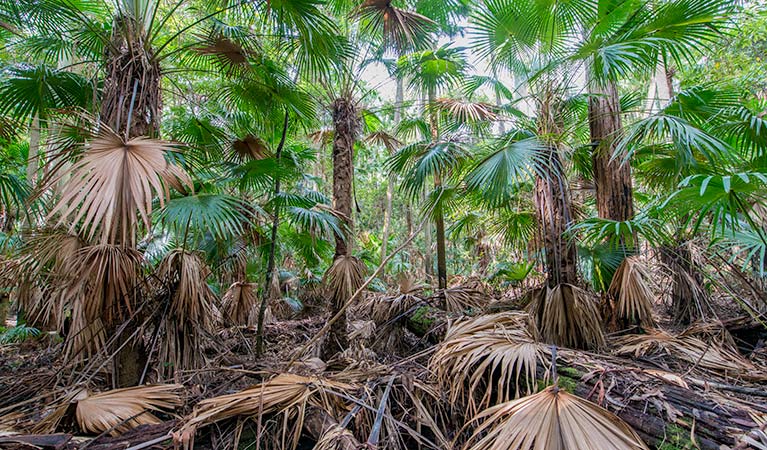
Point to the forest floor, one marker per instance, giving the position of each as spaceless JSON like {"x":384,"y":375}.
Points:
{"x":702,"y":386}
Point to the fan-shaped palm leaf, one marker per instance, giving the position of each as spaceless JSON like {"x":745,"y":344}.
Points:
{"x":120,"y":410}
{"x":113,"y":181}
{"x":552,"y":419}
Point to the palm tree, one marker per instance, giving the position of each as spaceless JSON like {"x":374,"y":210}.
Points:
{"x":429,"y":72}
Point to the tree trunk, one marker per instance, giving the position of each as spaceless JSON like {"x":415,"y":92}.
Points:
{"x":552,"y":206}
{"x":428,"y":260}
{"x":131,"y":101}
{"x":270,"y":272}
{"x":346,"y":125}
{"x":439,"y":220}
{"x":33,"y":159}
{"x":612,"y":176}
{"x":399,"y":98}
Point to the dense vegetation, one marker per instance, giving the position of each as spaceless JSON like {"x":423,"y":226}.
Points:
{"x":413,"y":223}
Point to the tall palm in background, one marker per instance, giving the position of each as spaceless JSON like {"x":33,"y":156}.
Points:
{"x":429,"y":72}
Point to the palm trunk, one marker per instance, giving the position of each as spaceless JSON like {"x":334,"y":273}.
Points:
{"x":131,"y":100}
{"x":345,"y":123}
{"x":439,"y":220}
{"x":612,"y":176}
{"x":552,"y":206}
{"x":399,"y":98}
{"x":272,"y":246}
{"x":33,"y":159}
{"x":130,"y":105}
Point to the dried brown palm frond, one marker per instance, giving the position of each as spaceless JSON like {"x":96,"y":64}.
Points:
{"x":113,"y":181}
{"x":466,"y":111}
{"x":239,"y":303}
{"x":388,"y":141}
{"x":387,"y":307}
{"x":488,"y":359}
{"x":250,"y":147}
{"x":39,"y":277}
{"x":711,"y":331}
{"x":102,"y":292}
{"x":567,"y":316}
{"x":632,"y":286}
{"x":287,"y":395}
{"x":343,"y":278}
{"x":461,"y":298}
{"x":551,"y":419}
{"x":120,"y":410}
{"x":231,"y":56}
{"x":401,"y":29}
{"x":708,"y":356}
{"x":336,"y":438}
{"x":191,"y":312}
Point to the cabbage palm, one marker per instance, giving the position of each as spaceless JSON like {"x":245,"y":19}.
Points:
{"x":431,"y":71}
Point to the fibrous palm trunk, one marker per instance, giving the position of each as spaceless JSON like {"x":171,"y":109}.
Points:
{"x":131,"y":101}
{"x":130,"y":105}
{"x":346,"y":127}
{"x":553,"y":206}
{"x":612,"y":175}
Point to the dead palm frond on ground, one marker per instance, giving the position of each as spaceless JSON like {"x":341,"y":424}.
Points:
{"x":568,"y":316}
{"x":488,"y":359}
{"x":632,"y":286}
{"x":388,"y":307}
{"x":462,"y":298}
{"x":551,"y":419}
{"x":286,"y":394}
{"x":120,"y":410}
{"x":695,"y":353}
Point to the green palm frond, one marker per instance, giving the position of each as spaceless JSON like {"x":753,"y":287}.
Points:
{"x":29,"y":90}
{"x":419,"y":162}
{"x":219,"y":214}
{"x":596,"y":230}
{"x":511,"y":160}
{"x":722,"y":200}
{"x":316,"y":222}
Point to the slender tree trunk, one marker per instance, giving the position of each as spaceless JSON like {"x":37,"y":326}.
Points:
{"x":346,"y":124}
{"x":439,"y":219}
{"x":33,"y":159}
{"x":272,"y":246}
{"x":498,"y":104}
{"x":399,"y":98}
{"x":661,"y":88}
{"x":428,"y":259}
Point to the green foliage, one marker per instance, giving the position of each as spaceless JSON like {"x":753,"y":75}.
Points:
{"x":19,"y":333}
